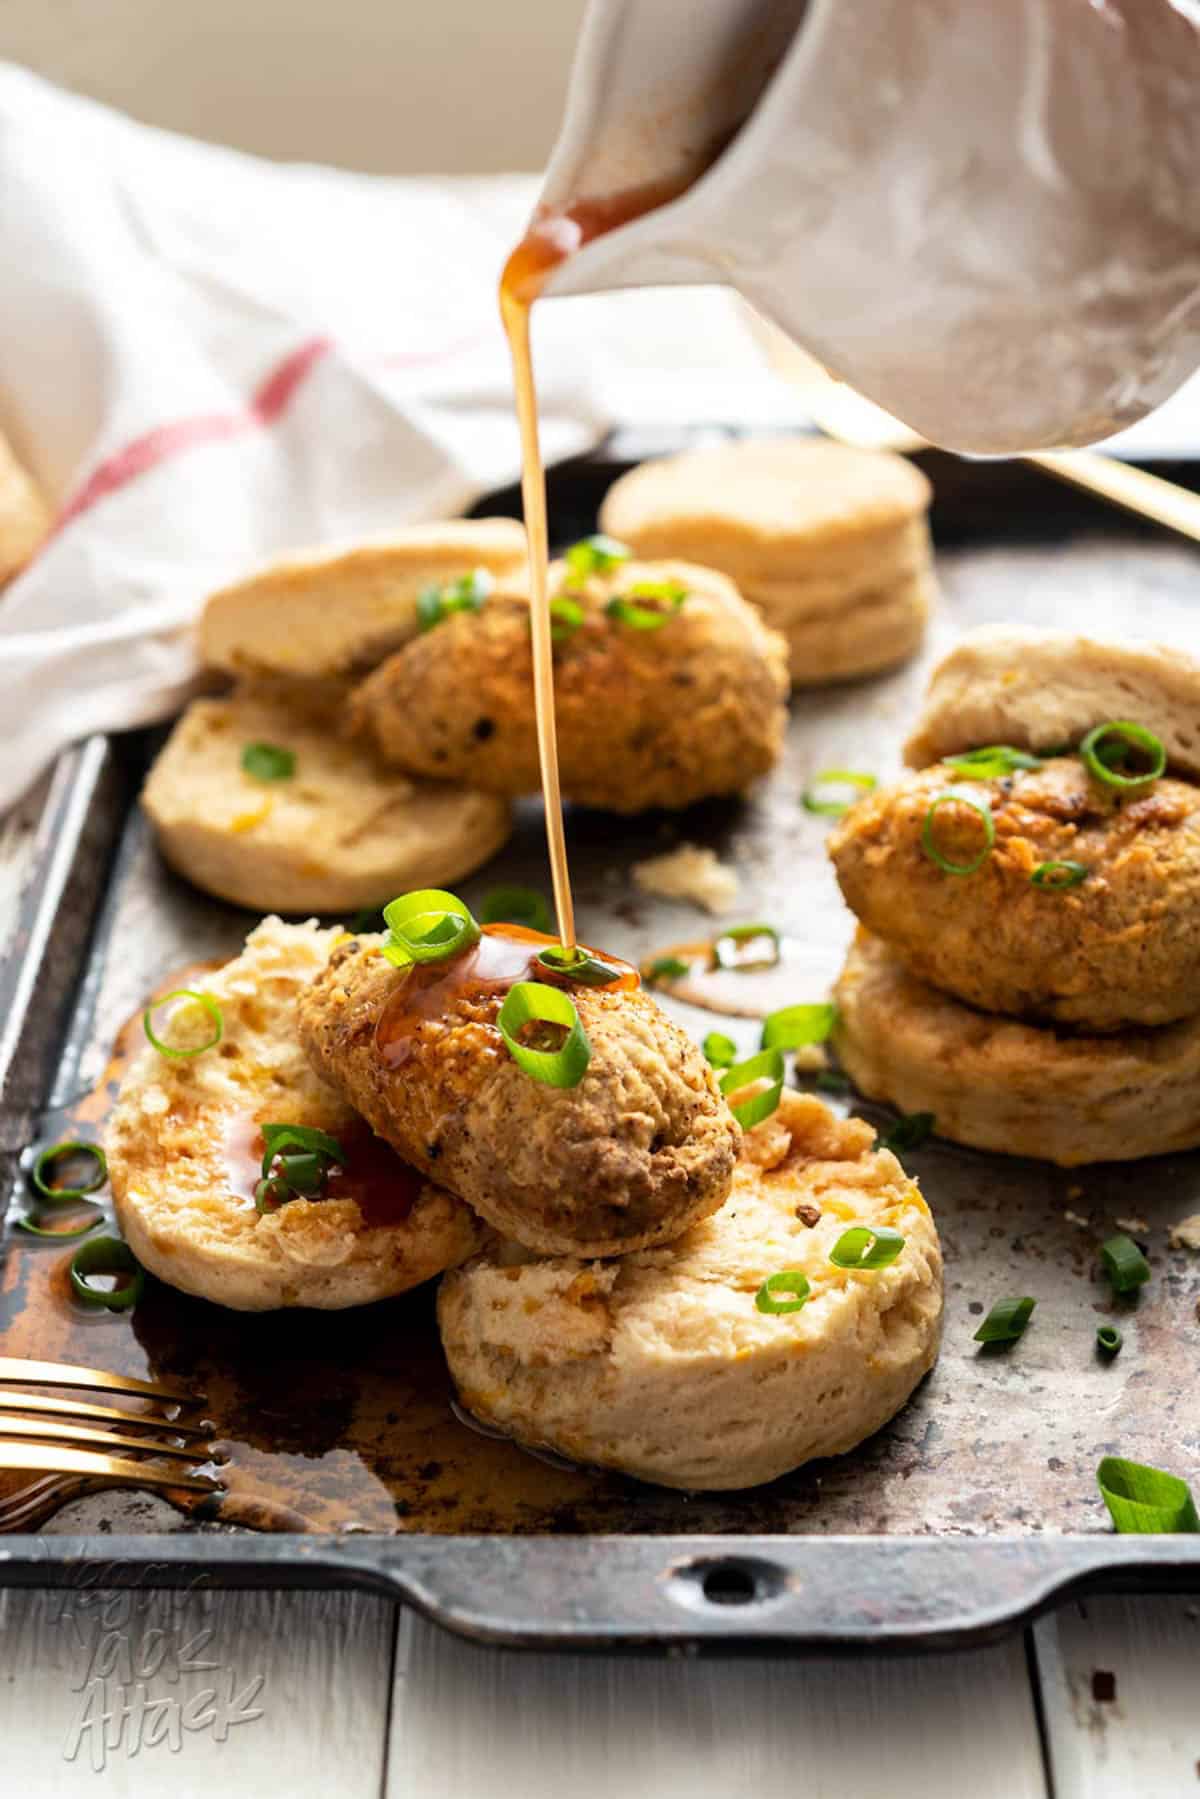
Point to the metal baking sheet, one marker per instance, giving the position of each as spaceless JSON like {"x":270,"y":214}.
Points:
{"x":977,"y":1505}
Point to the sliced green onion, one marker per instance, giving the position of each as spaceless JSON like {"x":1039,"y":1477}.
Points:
{"x":832,"y":1080}
{"x":1108,"y":1339}
{"x":369,"y":919}
{"x":928,"y":841}
{"x":792,"y":1281}
{"x":867,"y":1246}
{"x":42,"y":1173}
{"x":727,"y":953}
{"x":428,"y":925}
{"x":207,"y":1004}
{"x":576,"y":965}
{"x":1107,"y":749}
{"x":107,"y":1255}
{"x":515,"y":905}
{"x":793,"y":1027}
{"x":271,"y":1193}
{"x":668,"y":968}
{"x":767,"y":1066}
{"x":1006,"y":1321}
{"x":1124,"y":1264}
{"x":813,"y":800}
{"x":595,"y":555}
{"x":991,"y":762}
{"x":268,"y":762}
{"x":303,"y":1171}
{"x":908,"y":1132}
{"x":466,"y":594}
{"x":284,"y":1139}
{"x":66,"y":1236}
{"x":531,"y":1002}
{"x":647,"y":605}
{"x":566,"y":616}
{"x":1058,"y":876}
{"x":720,"y":1051}
{"x":1146,"y":1501}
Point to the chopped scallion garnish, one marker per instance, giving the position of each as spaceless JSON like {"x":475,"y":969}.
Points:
{"x":206,"y":1003}
{"x":647,"y":605}
{"x":595,"y":555}
{"x":1006,"y":1321}
{"x":428,"y":925}
{"x":667,"y":968}
{"x":101,"y":1256}
{"x":814,"y":799}
{"x":466,"y":594}
{"x":552,"y":1011}
{"x":64,"y":1233}
{"x":792,"y":1281}
{"x":58,"y":1159}
{"x":516,"y":905}
{"x":766,"y":1066}
{"x":794,"y":1027}
{"x":832,"y":1080}
{"x":720,"y":1051}
{"x":577,"y":965}
{"x":908,"y":1132}
{"x":1058,"y":876}
{"x":1124,"y":1264}
{"x":1108,"y":1339}
{"x":296,"y":1163}
{"x":929,"y":840}
{"x":1107,"y":753}
{"x":281,"y":1139}
{"x":1146,"y":1501}
{"x":566,"y":616}
{"x":867,"y":1246}
{"x":991,"y":762}
{"x":734,"y":948}
{"x":268,"y":762}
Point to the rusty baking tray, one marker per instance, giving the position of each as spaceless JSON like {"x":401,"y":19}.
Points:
{"x":977,"y":1506}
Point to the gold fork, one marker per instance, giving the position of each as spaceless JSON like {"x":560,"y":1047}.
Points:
{"x":76,"y":1437}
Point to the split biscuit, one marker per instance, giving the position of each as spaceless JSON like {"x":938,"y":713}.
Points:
{"x":831,"y":543}
{"x":183,"y":1148}
{"x":662,"y":1366}
{"x":339,"y":834}
{"x":1019,"y":1089}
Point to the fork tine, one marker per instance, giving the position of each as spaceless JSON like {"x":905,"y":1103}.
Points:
{"x":44,"y":1458}
{"x":48,"y":1432}
{"x":66,"y":1374}
{"x":83,"y":1409}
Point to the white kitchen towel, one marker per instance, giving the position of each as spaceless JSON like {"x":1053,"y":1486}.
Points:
{"x":208,"y":359}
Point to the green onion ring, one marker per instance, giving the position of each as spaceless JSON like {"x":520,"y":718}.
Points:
{"x":1133,"y":736}
{"x":788,"y":1280}
{"x":867,"y":1246}
{"x":268,"y":762}
{"x":719,"y":1050}
{"x":280,"y":1138}
{"x":271,"y":1193}
{"x":989,"y":833}
{"x":1006,"y":1321}
{"x":832,"y":1080}
{"x":67,"y":1236}
{"x":516,"y":905}
{"x":1124,"y":1264}
{"x":595,"y":555}
{"x":576,"y":965}
{"x":992,"y":762}
{"x":530,"y":1002}
{"x":811,"y":800}
{"x":667,"y":968}
{"x":795,"y":1027}
{"x":566,"y":617}
{"x":724,"y":949}
{"x":59,"y":1152}
{"x":206,"y":1002}
{"x":665,"y":600}
{"x":107,"y":1255}
{"x":1108,"y":1339}
{"x":1057,"y":877}
{"x":1146,"y":1501}
{"x":908,"y":1132}
{"x":302,"y":1170}
{"x":428,"y":925}
{"x":767,"y":1065}
{"x":466,"y":594}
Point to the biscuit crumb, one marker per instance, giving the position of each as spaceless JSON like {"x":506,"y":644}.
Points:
{"x":1074,"y":1218}
{"x":690,"y":873}
{"x":1186,"y":1234}
{"x":1133,"y":1225}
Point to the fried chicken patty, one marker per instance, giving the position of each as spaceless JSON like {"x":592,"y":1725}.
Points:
{"x":661,"y":716}
{"x":640,"y":1149}
{"x":1121,"y":948}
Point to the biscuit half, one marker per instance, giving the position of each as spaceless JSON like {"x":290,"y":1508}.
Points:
{"x":1040,"y":689}
{"x":342,"y":832}
{"x":1019,"y":1089}
{"x":661,"y":1365}
{"x":183,"y":1145}
{"x":831,"y":543}
{"x":338,"y":611}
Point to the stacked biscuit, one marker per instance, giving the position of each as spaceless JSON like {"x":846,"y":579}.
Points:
{"x":1028,"y":963}
{"x":616,"y":1319}
{"x":830,"y":543}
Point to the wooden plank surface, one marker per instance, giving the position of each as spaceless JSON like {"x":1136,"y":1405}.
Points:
{"x":1120,"y":1681}
{"x":471,"y":1722}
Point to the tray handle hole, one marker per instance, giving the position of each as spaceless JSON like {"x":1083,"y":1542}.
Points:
{"x":726,"y":1580}
{"x":729,"y":1583}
